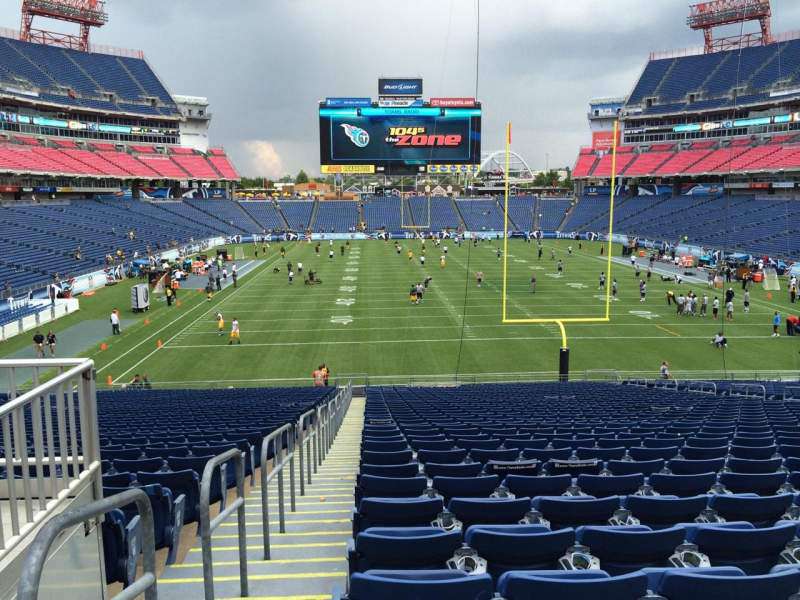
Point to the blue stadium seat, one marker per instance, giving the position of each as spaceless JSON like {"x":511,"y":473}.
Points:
{"x":660,"y":512}
{"x":763,"y":484}
{"x":630,"y":548}
{"x":179,"y":482}
{"x":458,"y":470}
{"x":739,"y":544}
{"x":523,"y":485}
{"x":149,"y":465}
{"x":445,"y":457}
{"x":695,"y":467}
{"x":689,"y":584}
{"x":389,"y":487}
{"x":484,"y":456}
{"x":759,"y":510}
{"x":645,"y":453}
{"x":384,"y":446}
{"x":395,"y":512}
{"x":489,"y":511}
{"x":387,"y":458}
{"x":682,"y":485}
{"x":420,"y":585}
{"x":573,"y":512}
{"x":744,"y":465}
{"x":465,"y":487}
{"x":705,"y":453}
{"x":167,"y":515}
{"x":613,"y":485}
{"x":121,"y":544}
{"x":402,"y":548}
{"x":406,"y":470}
{"x":631,"y":467}
{"x":571,"y":585}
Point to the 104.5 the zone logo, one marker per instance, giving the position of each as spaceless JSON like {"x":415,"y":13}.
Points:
{"x":416,"y":137}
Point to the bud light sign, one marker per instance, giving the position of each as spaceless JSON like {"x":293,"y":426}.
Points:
{"x":400,"y":87}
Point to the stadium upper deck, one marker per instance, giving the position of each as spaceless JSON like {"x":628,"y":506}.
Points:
{"x":708,"y":115}
{"x":102,"y":117}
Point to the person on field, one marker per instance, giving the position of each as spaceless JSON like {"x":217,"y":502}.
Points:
{"x":664,"y":370}
{"x":720,"y":341}
{"x":318,"y":376}
{"x":235,"y":333}
{"x":51,"y":342}
{"x":114,"y":322}
{"x":479,"y":278}
{"x":38,"y":344}
{"x":715,"y":308}
{"x":776,"y":323}
{"x":220,"y":323}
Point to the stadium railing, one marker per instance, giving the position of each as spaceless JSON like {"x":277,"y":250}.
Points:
{"x":208,"y":525}
{"x":50,"y":444}
{"x":311,"y":438}
{"x":28,"y":587}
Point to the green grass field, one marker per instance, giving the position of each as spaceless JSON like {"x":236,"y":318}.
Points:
{"x":360,"y":322}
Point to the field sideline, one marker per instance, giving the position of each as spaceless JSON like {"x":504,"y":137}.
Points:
{"x":360,"y":321}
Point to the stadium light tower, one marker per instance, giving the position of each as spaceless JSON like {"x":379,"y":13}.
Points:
{"x":718,"y":13}
{"x":85,"y":13}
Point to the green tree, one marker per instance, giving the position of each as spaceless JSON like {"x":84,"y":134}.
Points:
{"x":302,"y":177}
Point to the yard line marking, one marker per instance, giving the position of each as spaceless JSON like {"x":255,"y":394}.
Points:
{"x":599,"y":338}
{"x":669,"y":331}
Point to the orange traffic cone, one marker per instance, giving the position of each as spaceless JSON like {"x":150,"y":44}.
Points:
{"x":103,"y":347}
{"x":109,"y":380}
{"x":177,"y":302}
{"x":147,"y":321}
{"x":159,"y":344}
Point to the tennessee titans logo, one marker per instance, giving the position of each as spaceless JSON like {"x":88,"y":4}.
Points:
{"x":357,"y":135}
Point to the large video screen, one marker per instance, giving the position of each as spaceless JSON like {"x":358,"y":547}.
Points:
{"x":399,"y":140}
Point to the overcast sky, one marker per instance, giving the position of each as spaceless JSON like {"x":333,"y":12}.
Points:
{"x":264,"y":64}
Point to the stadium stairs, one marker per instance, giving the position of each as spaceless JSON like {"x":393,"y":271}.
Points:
{"x":457,"y":211}
{"x":309,"y":560}
{"x":512,"y":225}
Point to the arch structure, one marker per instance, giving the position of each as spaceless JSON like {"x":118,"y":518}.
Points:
{"x":495,"y":163}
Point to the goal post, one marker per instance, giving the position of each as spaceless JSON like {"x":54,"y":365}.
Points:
{"x":555,"y":320}
{"x":238,"y":253}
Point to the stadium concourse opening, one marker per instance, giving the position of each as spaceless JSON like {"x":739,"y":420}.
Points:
{"x":422,"y":370}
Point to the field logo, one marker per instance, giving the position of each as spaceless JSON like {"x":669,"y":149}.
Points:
{"x":357,"y":135}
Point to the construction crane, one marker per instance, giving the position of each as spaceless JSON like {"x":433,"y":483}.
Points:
{"x":718,"y":13}
{"x":85,"y":13}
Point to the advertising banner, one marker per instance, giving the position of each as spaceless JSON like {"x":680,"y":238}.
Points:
{"x":400,"y":86}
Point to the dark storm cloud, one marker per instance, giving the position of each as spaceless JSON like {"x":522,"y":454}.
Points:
{"x":264,"y":64}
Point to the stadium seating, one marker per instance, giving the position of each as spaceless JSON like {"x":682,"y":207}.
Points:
{"x":532,"y":523}
{"x":667,"y":83}
{"x":84,"y":79}
{"x":21,"y":156}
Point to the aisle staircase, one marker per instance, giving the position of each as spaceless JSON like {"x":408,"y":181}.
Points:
{"x":307,"y":562}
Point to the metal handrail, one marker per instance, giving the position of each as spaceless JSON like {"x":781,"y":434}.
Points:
{"x":50,"y":434}
{"x":743,"y":390}
{"x":286,"y":453}
{"x":207,"y":525}
{"x":303,"y":436}
{"x":316,"y":438}
{"x":793,"y":392}
{"x":33,"y":565}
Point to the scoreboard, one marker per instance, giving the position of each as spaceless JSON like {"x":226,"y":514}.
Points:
{"x":365,"y":137}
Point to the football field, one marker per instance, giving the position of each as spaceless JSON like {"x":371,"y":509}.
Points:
{"x":361,"y":322}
